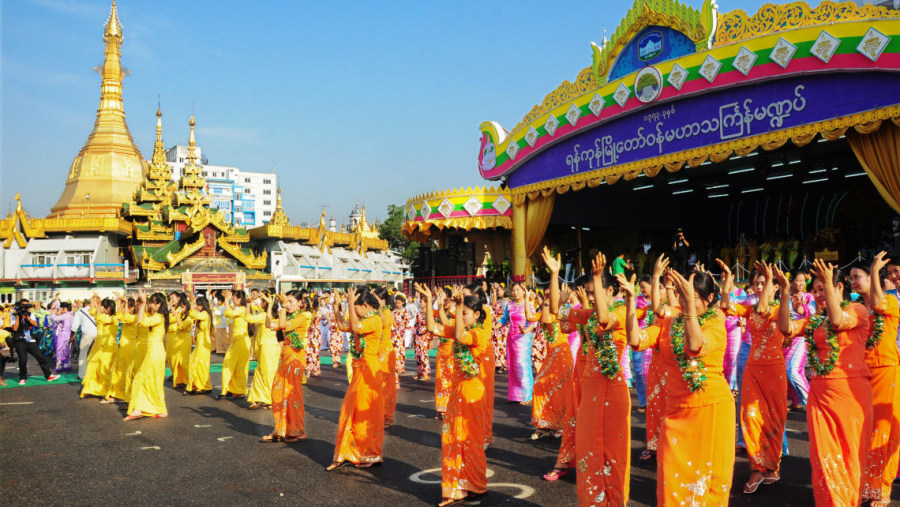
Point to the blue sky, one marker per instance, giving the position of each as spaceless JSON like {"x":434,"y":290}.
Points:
{"x":380,"y":100}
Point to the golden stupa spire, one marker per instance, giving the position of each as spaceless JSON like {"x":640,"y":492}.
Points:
{"x":109,"y":166}
{"x":191,"y":143}
{"x":279,"y":217}
{"x":159,"y":152}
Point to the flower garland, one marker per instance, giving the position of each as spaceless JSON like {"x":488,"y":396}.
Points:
{"x":551,"y":332}
{"x":358,"y":352}
{"x":812,"y":351}
{"x":605,"y":348}
{"x":650,"y":318}
{"x":693,"y":371}
{"x":464,"y":359}
{"x":297,"y":340}
{"x":877,"y":331}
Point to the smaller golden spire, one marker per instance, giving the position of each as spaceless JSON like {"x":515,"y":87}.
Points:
{"x":113,"y":27}
{"x":279,"y":217}
{"x":191,"y":142}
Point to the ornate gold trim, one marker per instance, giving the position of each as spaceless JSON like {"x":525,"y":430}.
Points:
{"x":252,"y":262}
{"x":736,"y":26}
{"x":188,"y":250}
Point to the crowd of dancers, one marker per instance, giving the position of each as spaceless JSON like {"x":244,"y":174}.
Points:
{"x":702,"y":354}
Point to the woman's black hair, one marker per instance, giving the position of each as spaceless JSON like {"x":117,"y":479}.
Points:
{"x":203,"y":303}
{"x":131,"y":304}
{"x":475,"y":304}
{"x":610,"y":281}
{"x":65,"y":305}
{"x":839,"y":276}
{"x":109,"y":305}
{"x":366,"y":296}
{"x":220,"y":297}
{"x":448,"y":292}
{"x":860,"y":264}
{"x":380,"y":292}
{"x":242,"y":297}
{"x":160,"y":299}
{"x":646,"y":279}
{"x":181,"y":300}
{"x":705,"y":285}
{"x":477,"y":290}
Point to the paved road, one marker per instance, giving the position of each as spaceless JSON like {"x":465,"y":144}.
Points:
{"x":56,"y":449}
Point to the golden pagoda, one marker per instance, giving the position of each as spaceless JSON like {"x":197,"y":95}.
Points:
{"x":109,"y":167}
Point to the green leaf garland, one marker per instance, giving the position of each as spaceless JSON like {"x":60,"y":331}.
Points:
{"x":693,"y":370}
{"x":464,"y":359}
{"x":604,"y":347}
{"x":357,"y":352}
{"x":812,"y":356}
{"x":551,"y":332}
{"x":877,"y":331}
{"x":298,"y":341}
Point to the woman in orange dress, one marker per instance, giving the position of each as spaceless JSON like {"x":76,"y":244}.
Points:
{"x":553,"y":384}
{"x":361,"y":424}
{"x":387,"y":355}
{"x":764,"y":386}
{"x":443,"y":372}
{"x":463,"y":462}
{"x":294,"y":319}
{"x":696,"y":442}
{"x":884,"y":365}
{"x":486,"y":369}
{"x":839,"y":407}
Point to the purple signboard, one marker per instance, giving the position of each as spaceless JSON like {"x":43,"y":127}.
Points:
{"x":711,"y":119}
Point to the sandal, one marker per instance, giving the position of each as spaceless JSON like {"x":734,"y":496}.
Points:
{"x":160,"y":416}
{"x":270,"y":438}
{"x":751,"y":487}
{"x":557,"y":473}
{"x":132,"y":417}
{"x":771,"y":480}
{"x":335,"y":465}
{"x":293,"y":440}
{"x":642,"y":410}
{"x":647,"y":455}
{"x":255,"y":406}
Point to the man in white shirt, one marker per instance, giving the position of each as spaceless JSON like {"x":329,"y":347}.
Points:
{"x":88,"y":327}
{"x":220,"y":324}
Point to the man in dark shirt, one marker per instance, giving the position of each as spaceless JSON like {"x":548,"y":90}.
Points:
{"x":681,"y":249}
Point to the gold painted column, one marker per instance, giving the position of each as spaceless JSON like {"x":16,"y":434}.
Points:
{"x":519,"y":256}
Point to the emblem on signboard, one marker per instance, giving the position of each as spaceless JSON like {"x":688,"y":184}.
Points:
{"x":650,"y":46}
{"x":487,"y":156}
{"x":648,"y":84}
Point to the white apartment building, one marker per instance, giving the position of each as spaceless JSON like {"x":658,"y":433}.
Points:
{"x":248,"y":198}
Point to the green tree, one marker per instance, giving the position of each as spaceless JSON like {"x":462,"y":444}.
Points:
{"x":392,"y":231}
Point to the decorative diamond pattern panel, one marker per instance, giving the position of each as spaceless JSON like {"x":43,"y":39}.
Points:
{"x":873,"y":44}
{"x":473,"y":205}
{"x":783,"y":52}
{"x":445,"y":208}
{"x":677,"y":76}
{"x":744,"y":60}
{"x":825,"y":46}
{"x":710,"y":68}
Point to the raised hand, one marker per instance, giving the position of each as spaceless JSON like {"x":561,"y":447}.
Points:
{"x":351,"y":295}
{"x":662,"y":263}
{"x":727,"y":276}
{"x":552,"y":263}
{"x":684,"y":287}
{"x":423,"y":290}
{"x":879,"y":262}
{"x":824,"y":272}
{"x":626,"y":285}
{"x":598,"y":263}
{"x":782,"y":281}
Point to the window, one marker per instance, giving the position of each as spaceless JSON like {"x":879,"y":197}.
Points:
{"x":267,"y":182}
{"x":267,"y":192}
{"x":246,"y":190}
{"x":268,"y":213}
{"x":267,"y":203}
{"x":246,"y":180}
{"x":181,"y":159}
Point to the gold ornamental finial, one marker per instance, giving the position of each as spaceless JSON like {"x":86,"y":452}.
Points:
{"x":279,"y":217}
{"x":191,"y":142}
{"x":113,"y":27}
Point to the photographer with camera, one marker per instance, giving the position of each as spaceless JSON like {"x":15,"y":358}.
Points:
{"x":22,"y":322}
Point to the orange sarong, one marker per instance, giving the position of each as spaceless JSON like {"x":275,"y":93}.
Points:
{"x":567,"y":443}
{"x":287,"y":393}
{"x":463,"y":462}
{"x":361,"y":425}
{"x":763,"y":389}
{"x":695,"y":459}
{"x":656,"y":399}
{"x":443,"y":375}
{"x":839,"y":411}
{"x":553,"y":385}
{"x":884,"y":448}
{"x":388,"y":357}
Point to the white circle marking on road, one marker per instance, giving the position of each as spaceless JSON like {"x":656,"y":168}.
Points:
{"x":417,"y":477}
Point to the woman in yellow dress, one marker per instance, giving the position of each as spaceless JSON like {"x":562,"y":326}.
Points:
{"x":236,"y":365}
{"x":120,"y":380}
{"x":103,"y":352}
{"x":147,"y":395}
{"x":178,"y":344}
{"x":198,"y":369}
{"x":268,"y":351}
